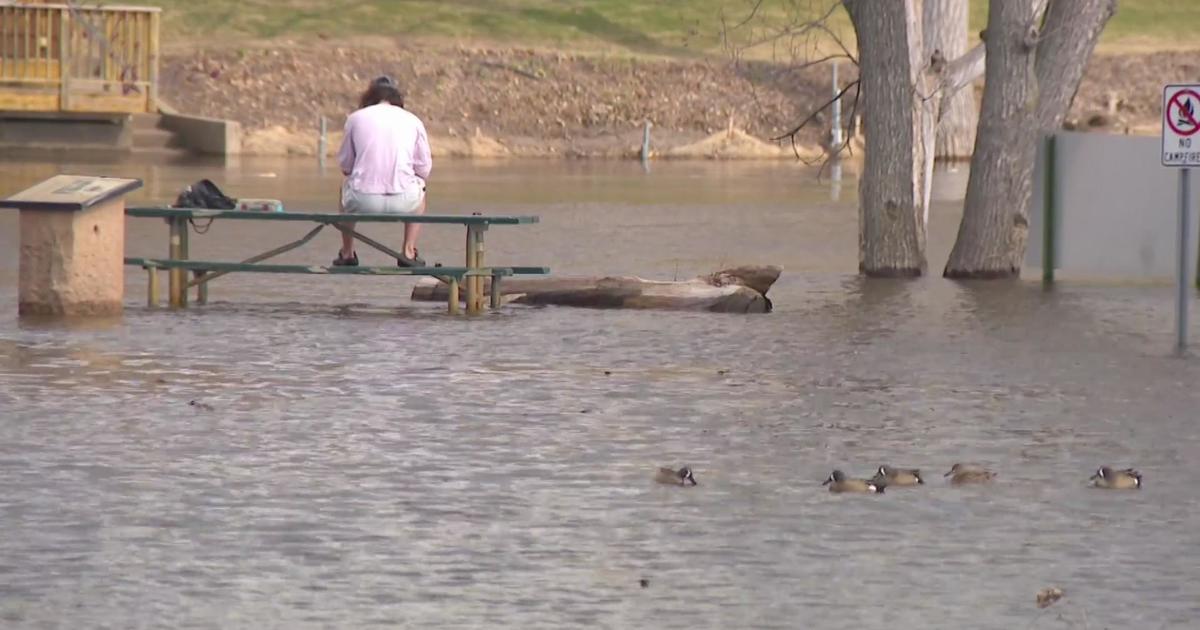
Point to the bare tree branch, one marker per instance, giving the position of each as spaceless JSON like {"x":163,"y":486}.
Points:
{"x":800,"y":38}
{"x":814,"y":62}
{"x":846,"y":146}
{"x":853,"y":114}
{"x":790,"y":32}
{"x":813,"y":115}
{"x":960,"y":72}
{"x":837,"y":40}
{"x":753,"y":12}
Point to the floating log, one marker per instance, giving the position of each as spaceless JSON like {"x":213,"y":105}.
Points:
{"x":735,"y":290}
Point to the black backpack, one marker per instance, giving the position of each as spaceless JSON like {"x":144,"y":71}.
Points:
{"x":204,"y":194}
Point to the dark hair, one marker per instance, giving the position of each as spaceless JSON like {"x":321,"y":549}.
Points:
{"x":382,"y":89}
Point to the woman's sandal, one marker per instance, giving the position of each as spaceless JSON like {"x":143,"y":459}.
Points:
{"x":352,"y":261}
{"x":415,"y":261}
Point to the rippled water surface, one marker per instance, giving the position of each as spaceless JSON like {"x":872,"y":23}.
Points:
{"x":370,"y":462}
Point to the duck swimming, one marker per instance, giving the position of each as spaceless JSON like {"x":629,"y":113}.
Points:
{"x":898,"y":476}
{"x":681,"y":477}
{"x":838,"y":482}
{"x":969,"y":473}
{"x":1106,"y":477}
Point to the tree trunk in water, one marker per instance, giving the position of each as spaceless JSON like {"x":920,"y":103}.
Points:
{"x":735,"y":290}
{"x":1032,"y":77}
{"x":995,"y":224}
{"x":892,"y":189}
{"x":944,"y":30}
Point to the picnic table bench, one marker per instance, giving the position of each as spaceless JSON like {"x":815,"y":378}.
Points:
{"x":469,"y":276}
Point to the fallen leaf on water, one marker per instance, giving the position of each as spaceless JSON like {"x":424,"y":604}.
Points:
{"x":1047,"y":596}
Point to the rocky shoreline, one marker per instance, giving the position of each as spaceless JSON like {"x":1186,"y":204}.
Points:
{"x":497,"y":102}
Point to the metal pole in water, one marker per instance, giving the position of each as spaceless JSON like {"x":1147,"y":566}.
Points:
{"x":1181,"y":280}
{"x":835,"y":140}
{"x":646,"y":144}
{"x":321,"y":143}
{"x":836,"y":137}
{"x":1049,"y":214}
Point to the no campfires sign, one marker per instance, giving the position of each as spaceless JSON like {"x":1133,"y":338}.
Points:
{"x":1181,"y":122}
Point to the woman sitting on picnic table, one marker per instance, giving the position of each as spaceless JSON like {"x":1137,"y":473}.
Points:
{"x":386,"y":159}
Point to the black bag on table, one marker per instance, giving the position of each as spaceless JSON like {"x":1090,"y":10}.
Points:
{"x":204,"y":194}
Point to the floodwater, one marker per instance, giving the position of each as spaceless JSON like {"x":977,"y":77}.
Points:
{"x":370,"y":462}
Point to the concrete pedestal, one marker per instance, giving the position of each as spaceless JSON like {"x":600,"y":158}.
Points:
{"x":72,"y":245}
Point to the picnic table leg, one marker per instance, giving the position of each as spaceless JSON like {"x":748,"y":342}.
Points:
{"x":185,"y":255}
{"x":472,"y":298}
{"x":201,"y":286}
{"x":452,"y":306}
{"x":495,"y":293}
{"x":478,"y":280}
{"x":152,"y":287}
{"x":176,"y":293}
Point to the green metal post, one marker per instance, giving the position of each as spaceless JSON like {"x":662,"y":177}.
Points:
{"x":1049,"y":215}
{"x":183,"y":253}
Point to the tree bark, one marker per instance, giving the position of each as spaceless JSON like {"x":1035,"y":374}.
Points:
{"x":892,"y":189}
{"x":1032,"y":77}
{"x":734,"y":290}
{"x":945,"y":28}
{"x":994,"y":224}
{"x":1069,"y":37}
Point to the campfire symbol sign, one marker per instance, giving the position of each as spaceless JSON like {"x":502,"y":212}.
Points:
{"x":1181,"y":125}
{"x":1181,"y":112}
{"x":1187,"y":115}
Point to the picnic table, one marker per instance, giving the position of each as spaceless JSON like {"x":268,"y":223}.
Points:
{"x":469,"y":276}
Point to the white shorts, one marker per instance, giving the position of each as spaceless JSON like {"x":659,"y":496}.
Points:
{"x":407,"y":202}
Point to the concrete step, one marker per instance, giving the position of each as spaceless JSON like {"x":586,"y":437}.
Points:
{"x":146,"y":121}
{"x":161,"y":154}
{"x":154,"y":139}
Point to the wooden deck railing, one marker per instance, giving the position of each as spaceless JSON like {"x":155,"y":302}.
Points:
{"x":73,"y":58}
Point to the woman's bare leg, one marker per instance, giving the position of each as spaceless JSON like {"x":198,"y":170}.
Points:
{"x":411,"y":231}
{"x":347,"y":240}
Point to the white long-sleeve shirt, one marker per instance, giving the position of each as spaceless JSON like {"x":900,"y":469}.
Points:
{"x":385,"y":150}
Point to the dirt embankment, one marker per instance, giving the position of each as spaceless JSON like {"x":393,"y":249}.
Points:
{"x":497,"y":102}
{"x":1123,"y":93}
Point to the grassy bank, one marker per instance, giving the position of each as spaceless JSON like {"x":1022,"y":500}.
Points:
{"x":637,"y":26}
{"x":640,"y":27}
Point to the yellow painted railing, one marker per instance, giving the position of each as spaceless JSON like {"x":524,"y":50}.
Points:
{"x":72,"y":58}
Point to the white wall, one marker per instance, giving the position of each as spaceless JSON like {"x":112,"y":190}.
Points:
{"x":1117,"y":208}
